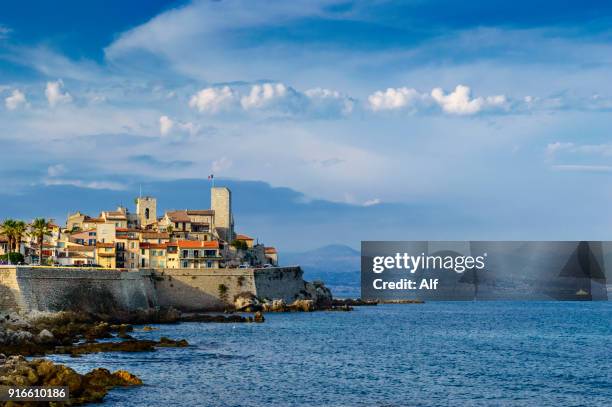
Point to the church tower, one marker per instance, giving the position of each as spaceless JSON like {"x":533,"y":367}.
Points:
{"x":221,"y":203}
{"x":146,"y":211}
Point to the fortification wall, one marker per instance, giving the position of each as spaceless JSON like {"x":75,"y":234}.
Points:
{"x":105,"y":291}
{"x":63,"y":288}
{"x":201,"y":289}
{"x":277,"y":283}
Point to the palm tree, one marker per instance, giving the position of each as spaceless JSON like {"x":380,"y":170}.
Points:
{"x":8,"y":229}
{"x":40,"y":229}
{"x":19,"y":230}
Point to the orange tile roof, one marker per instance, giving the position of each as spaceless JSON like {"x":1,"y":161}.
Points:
{"x":178,"y":216}
{"x":270,"y":250}
{"x":197,"y":244}
{"x":243,"y":237}
{"x":200,"y":212}
{"x":107,"y":245}
{"x":155,"y":235}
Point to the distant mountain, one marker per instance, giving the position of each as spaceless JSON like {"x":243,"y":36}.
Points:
{"x":337,"y":265}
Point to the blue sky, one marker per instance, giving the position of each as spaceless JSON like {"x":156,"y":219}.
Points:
{"x":500,"y":113}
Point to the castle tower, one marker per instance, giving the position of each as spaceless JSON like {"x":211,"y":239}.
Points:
{"x":221,"y":203}
{"x":146,"y":210}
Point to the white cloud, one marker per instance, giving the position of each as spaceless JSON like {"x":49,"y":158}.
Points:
{"x":221,"y":164}
{"x":553,"y":148}
{"x":394,"y":98}
{"x":54,"y":93}
{"x":582,"y":168}
{"x":457,"y":102}
{"x":212,"y":100}
{"x":460,"y":102}
{"x":372,"y":202}
{"x":168,"y":126}
{"x":16,"y":100}
{"x":114,"y":186}
{"x":330,"y":101}
{"x":165,"y":125}
{"x":56,"y":170}
{"x":4,"y":32}
{"x":263,"y":95}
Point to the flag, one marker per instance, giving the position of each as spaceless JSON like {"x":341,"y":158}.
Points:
{"x":211,"y":176}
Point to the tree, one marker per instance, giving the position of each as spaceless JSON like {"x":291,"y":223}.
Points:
{"x":8,"y":229}
{"x":240,"y":244}
{"x":40,"y":229}
{"x":19,"y":231}
{"x":223,"y":292}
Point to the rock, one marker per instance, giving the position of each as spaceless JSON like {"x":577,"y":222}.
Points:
{"x":302,"y":305}
{"x":275,"y":306}
{"x":213,"y":318}
{"x":171,"y":343}
{"x":340,"y":308}
{"x":45,"y":336}
{"x":259,"y":317}
{"x":126,"y":378}
{"x":149,"y":328}
{"x":353,"y":302}
{"x":247,"y":302}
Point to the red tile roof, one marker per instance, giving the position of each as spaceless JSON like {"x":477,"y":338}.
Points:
{"x":155,"y":235}
{"x":197,"y":244}
{"x":178,"y":216}
{"x":107,"y":245}
{"x":243,"y":237}
{"x":270,"y":250}
{"x":200,"y":212}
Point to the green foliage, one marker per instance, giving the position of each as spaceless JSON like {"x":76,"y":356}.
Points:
{"x":240,"y":244}
{"x":223,"y":292}
{"x":15,"y":258}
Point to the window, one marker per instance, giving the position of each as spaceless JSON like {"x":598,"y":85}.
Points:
{"x":142,"y":262}
{"x":132,"y":256}
{"x":147,"y":213}
{"x":184,"y":264}
{"x":209,"y":264}
{"x":142,"y":251}
{"x":132,"y":245}
{"x":196,"y":253}
{"x":185,"y":253}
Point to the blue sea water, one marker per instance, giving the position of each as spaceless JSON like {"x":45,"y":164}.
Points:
{"x":434,"y":354}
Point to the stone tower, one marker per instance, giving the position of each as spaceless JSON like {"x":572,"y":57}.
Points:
{"x":221,"y":203}
{"x":146,"y":210}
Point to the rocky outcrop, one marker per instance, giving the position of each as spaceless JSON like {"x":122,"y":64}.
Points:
{"x":91,"y":387}
{"x":318,"y":293}
{"x":69,"y":333}
{"x":353,"y":302}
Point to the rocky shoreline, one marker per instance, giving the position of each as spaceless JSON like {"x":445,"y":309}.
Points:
{"x":79,"y":333}
{"x":76,"y":334}
{"x":16,"y":371}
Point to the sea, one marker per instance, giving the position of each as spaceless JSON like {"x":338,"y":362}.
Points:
{"x":432,"y":354}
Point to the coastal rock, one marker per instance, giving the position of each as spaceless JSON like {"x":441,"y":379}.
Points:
{"x":91,"y":387}
{"x":45,"y":336}
{"x":302,"y":305}
{"x":247,"y":302}
{"x":149,"y":328}
{"x":171,"y":343}
{"x":353,"y":302}
{"x":319,"y":294}
{"x":275,"y":306}
{"x":213,"y":318}
{"x":259,"y":317}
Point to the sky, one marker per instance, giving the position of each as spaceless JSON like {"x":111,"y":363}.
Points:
{"x":498,"y":113}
